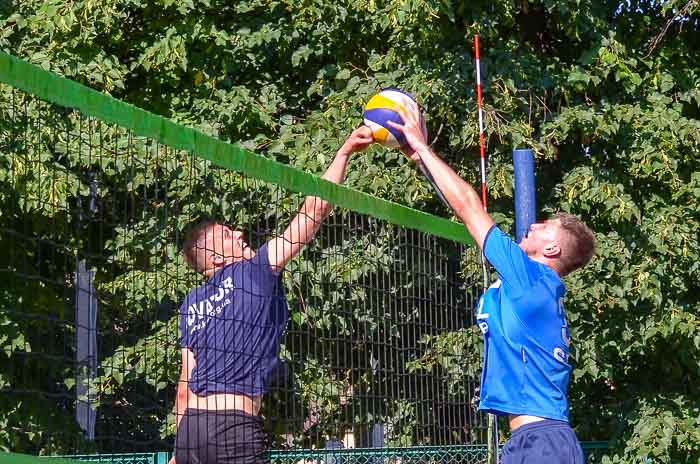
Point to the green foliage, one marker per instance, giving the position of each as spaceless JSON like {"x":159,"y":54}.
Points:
{"x":457,"y":353}
{"x":609,"y":103}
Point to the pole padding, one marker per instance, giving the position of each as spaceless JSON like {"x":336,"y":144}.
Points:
{"x":524,"y":180}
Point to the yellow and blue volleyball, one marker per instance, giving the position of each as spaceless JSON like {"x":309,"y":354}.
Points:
{"x":384,"y":107}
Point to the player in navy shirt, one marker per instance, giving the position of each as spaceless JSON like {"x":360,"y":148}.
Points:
{"x":526,"y":367}
{"x":231,"y":329}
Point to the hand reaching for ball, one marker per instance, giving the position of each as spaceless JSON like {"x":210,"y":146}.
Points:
{"x":413,"y":130}
{"x":360,"y":139}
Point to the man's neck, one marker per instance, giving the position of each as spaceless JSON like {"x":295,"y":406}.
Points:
{"x":551,"y":263}
{"x":248,"y":254}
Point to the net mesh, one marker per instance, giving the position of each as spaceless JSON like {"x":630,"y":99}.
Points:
{"x":91,"y":279}
{"x":447,"y":454}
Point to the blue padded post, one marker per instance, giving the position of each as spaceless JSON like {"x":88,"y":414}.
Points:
{"x":524,"y":179}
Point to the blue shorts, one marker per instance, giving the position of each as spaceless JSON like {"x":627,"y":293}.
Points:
{"x":547,"y":442}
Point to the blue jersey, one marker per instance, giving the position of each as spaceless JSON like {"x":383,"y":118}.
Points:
{"x":234,"y":325}
{"x":526,"y":336}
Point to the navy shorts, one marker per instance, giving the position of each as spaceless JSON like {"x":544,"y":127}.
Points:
{"x":220,"y":437}
{"x":547,"y":442}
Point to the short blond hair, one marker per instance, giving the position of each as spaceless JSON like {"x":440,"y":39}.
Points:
{"x":194,"y":247}
{"x":579,"y":246}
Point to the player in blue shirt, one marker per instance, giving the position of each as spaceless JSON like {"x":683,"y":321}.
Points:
{"x":526,"y":336}
{"x":231,"y":329}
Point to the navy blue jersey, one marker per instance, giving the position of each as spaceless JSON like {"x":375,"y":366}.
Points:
{"x":526,"y":336}
{"x":234,"y":325}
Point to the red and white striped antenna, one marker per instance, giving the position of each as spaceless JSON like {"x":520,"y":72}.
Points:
{"x":482,"y":143}
{"x":492,"y":454}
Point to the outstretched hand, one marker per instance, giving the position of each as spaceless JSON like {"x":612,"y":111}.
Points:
{"x":360,"y":139}
{"x":414,"y":132}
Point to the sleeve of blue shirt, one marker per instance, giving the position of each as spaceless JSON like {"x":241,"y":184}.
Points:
{"x":260,"y":270}
{"x":514,"y":267}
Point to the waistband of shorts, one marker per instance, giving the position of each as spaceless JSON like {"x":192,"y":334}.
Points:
{"x":222,"y":413}
{"x":543,"y":424}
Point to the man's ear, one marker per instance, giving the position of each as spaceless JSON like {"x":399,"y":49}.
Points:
{"x":552,"y":250}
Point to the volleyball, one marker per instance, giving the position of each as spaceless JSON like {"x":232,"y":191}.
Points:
{"x":384,"y":107}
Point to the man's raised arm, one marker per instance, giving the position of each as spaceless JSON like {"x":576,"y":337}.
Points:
{"x":461,"y":196}
{"x":314,"y":210}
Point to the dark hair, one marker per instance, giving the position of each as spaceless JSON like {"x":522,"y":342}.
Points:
{"x":579,"y":245}
{"x":190,"y":247}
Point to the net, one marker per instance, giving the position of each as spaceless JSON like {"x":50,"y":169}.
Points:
{"x":96,"y":197}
